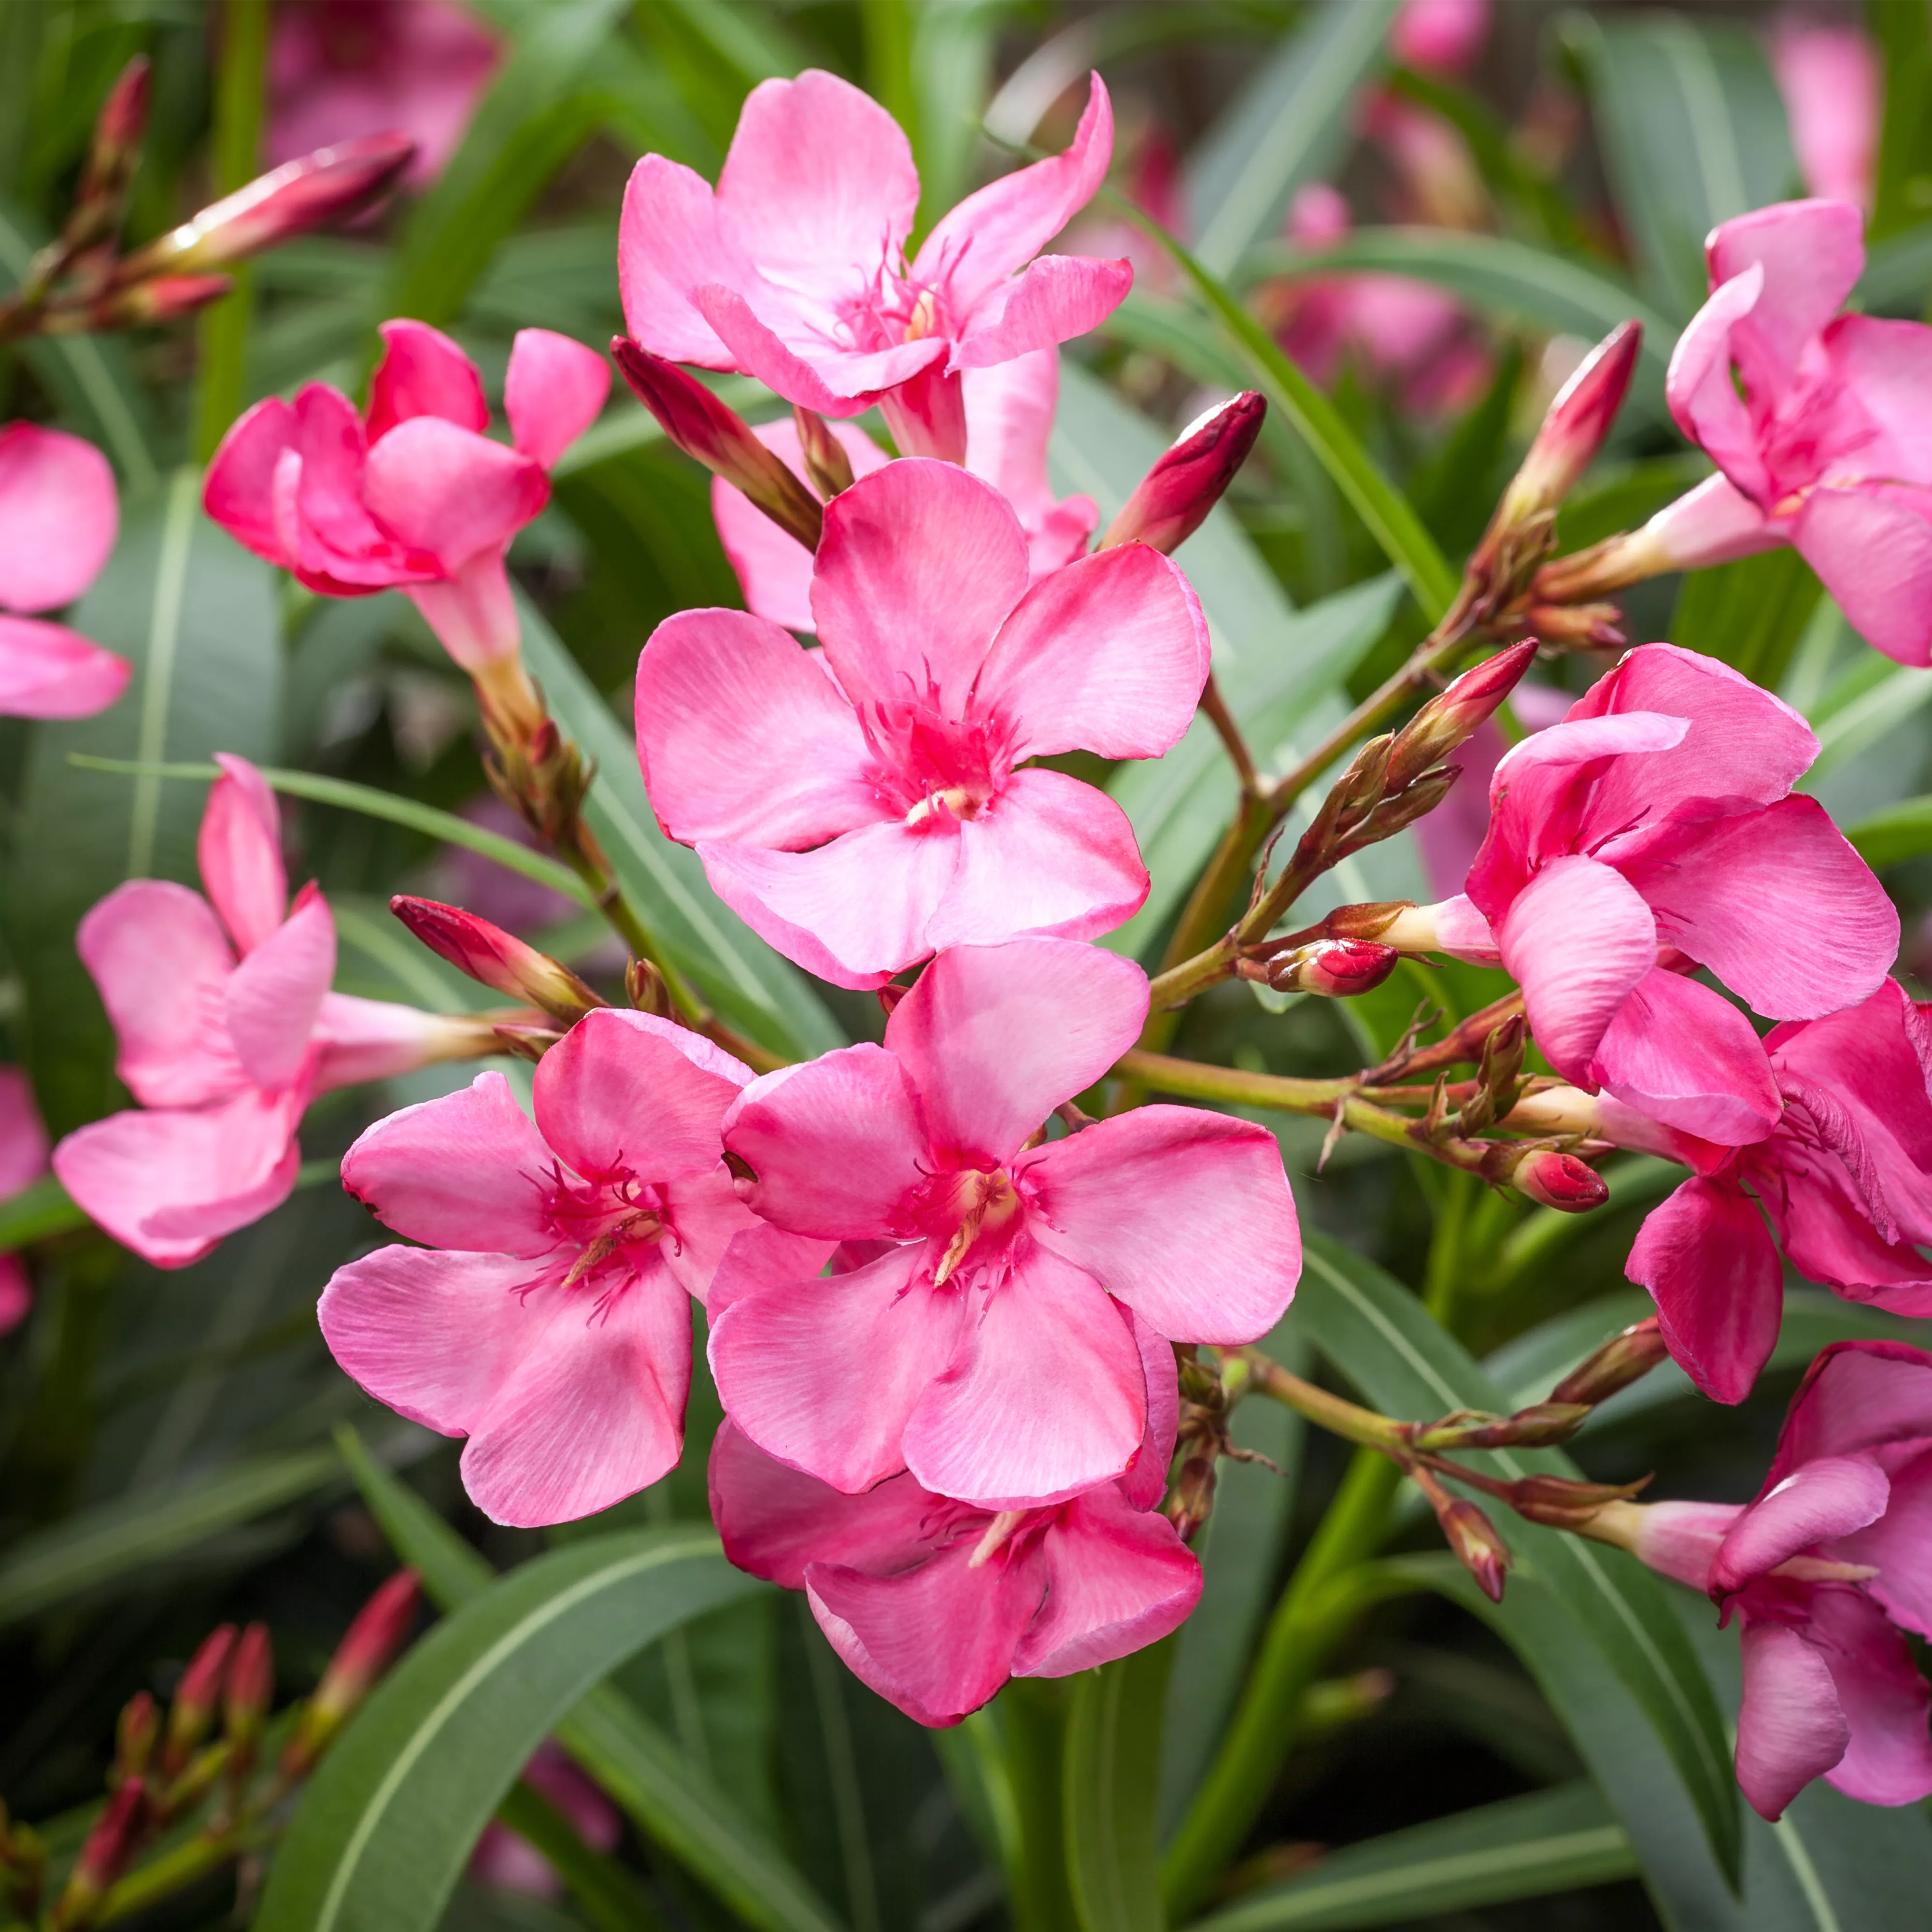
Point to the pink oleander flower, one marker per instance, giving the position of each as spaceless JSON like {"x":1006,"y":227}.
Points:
{"x":1657,"y":822}
{"x":1009,"y":417}
{"x":1825,"y":1571}
{"x":227,"y":1029}
{"x":1440,"y":36}
{"x":412,"y":495}
{"x":1833,"y":89}
{"x":990,"y":1347}
{"x":794,"y":270}
{"x":1819,"y":423}
{"x":58,"y":519}
{"x":338,"y":69}
{"x":547,"y":1315}
{"x":511,"y":1863}
{"x":23,"y":1160}
{"x":935,"y":1603}
{"x":862,"y":806}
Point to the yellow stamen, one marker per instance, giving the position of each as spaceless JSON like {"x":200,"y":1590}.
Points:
{"x":1001,"y":1527}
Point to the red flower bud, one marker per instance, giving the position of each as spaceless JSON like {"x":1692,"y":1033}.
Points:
{"x":148,"y":304}
{"x":115,"y":148}
{"x":1188,"y":479}
{"x":251,"y":1682}
{"x":196,"y":1698}
{"x":1573,"y":428}
{"x":1476,"y":1544}
{"x":498,"y":959}
{"x":720,"y":438}
{"x":134,"y":1735}
{"x":1448,"y":719}
{"x":1622,"y":1359}
{"x":109,"y":1851}
{"x":1559,"y":1180}
{"x":381,"y":1628}
{"x":1335,"y":968}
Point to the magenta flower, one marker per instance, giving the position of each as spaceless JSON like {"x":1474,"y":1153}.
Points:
{"x":23,"y":1160}
{"x":226,"y":1028}
{"x":989,"y":1348}
{"x":1820,"y":423}
{"x":338,"y":69}
{"x":1833,"y":91}
{"x":414,"y":495}
{"x":863,"y":820}
{"x":1821,"y":1569}
{"x":1009,"y":417}
{"x":794,"y":271}
{"x":935,"y":1603}
{"x":547,"y":1315}
{"x":506,"y":1859}
{"x":58,"y":519}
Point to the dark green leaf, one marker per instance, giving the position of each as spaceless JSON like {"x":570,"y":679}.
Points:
{"x":36,"y":1212}
{"x":1748,"y":614}
{"x":1898,"y":271}
{"x":1890,"y":837}
{"x":1113,"y":1789}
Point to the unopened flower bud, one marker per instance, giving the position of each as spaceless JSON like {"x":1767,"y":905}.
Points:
{"x":827,"y":467}
{"x":1558,"y":1503}
{"x":1541,"y":1426}
{"x":1558,"y":1180}
{"x":1624,"y":1359}
{"x":1191,"y":1501}
{"x":644,"y":987}
{"x":134,"y":1734}
{"x":498,"y":959}
{"x":1335,"y":968}
{"x":890,"y":995}
{"x":1592,"y":626}
{"x":251,"y":1684}
{"x":1573,"y":428}
{"x":525,"y":1042}
{"x":1476,"y":1544}
{"x":109,"y":1850}
{"x":1333,"y":1702}
{"x":1497,"y":1078}
{"x":148,"y":304}
{"x":1449,"y":719}
{"x":196,"y":1698}
{"x":112,"y":156}
{"x":1188,"y":479}
{"x":381,"y":1628}
{"x":1369,"y":920}
{"x":719,"y":438}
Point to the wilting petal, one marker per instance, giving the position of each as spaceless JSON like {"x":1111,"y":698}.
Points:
{"x":58,"y":517}
{"x":621,"y":1095}
{"x":838,"y":1144}
{"x":238,"y":493}
{"x":466,"y":1170}
{"x":1887,"y":1760}
{"x":668,"y":244}
{"x":23,"y":1138}
{"x":1049,"y":854}
{"x":48,"y":671}
{"x":784,"y":1359}
{"x":1184,"y":1215}
{"x":239,"y":851}
{"x":1050,"y":302}
{"x":1872,"y":548}
{"x":1712,"y":1269}
{"x":1685,"y":1056}
{"x":423,"y":373}
{"x":743,"y":737}
{"x":1828,"y":1496}
{"x":1118,"y":1579}
{"x":271,"y":1000}
{"x":1791,"y":1727}
{"x":553,"y":392}
{"x":449,"y":491}
{"x":1108,"y":655}
{"x":995,"y":1037}
{"x":918,"y":566}
{"x":1002,"y":1428}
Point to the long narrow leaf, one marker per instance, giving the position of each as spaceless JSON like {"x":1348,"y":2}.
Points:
{"x":1113,"y":1792}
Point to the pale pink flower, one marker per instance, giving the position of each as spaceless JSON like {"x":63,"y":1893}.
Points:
{"x":512,"y":1864}
{"x":226,"y":1028}
{"x":990,"y":1348}
{"x":861,"y":820}
{"x":1834,"y":90}
{"x":1819,"y":423}
{"x":23,"y":1160}
{"x":794,"y":270}
{"x":58,"y":519}
{"x":547,"y":1316}
{"x":935,"y":1603}
{"x":338,"y":69}
{"x":1008,"y":418}
{"x":1825,"y":1571}
{"x":412,"y":495}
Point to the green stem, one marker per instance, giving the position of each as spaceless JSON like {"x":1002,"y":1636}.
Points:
{"x":1456,"y":1193}
{"x":1035,"y":1711}
{"x":187,"y":1865}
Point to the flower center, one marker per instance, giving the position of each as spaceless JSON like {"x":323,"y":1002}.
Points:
{"x":982,"y":1207}
{"x":932,"y":771}
{"x":608,"y":1223}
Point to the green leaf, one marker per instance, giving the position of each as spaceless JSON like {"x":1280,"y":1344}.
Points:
{"x":383,"y":1831}
{"x":1548,"y":1841}
{"x":1290,"y":124}
{"x":1406,"y":1364}
{"x":754,"y":988}
{"x":1904,"y":174}
{"x":1899,"y":833}
{"x":1113,"y":1789}
{"x":1692,"y":130}
{"x":36,"y":1212}
{"x":952,"y":47}
{"x":195,"y":615}
{"x":1749,"y":614}
{"x":1898,"y":271}
{"x":1872,"y":700}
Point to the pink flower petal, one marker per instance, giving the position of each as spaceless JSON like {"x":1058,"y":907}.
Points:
{"x":1872,"y":548}
{"x":423,"y":373}
{"x":1900,"y":1544}
{"x":995,"y":1037}
{"x":553,"y":392}
{"x":1146,"y":1480}
{"x":1887,"y":367}
{"x":1184,"y":1215}
{"x":1703,"y":393}
{"x":58,"y":517}
{"x":1712,"y":1269}
{"x":238,"y":492}
{"x":834,"y":381}
{"x":48,"y":671}
{"x":449,"y":491}
{"x":1833,"y":86}
{"x":271,"y":1000}
{"x":918,"y":567}
{"x":743,"y":737}
{"x":1685,"y":1056}
{"x":358,"y":1039}
{"x":706,"y":1221}
{"x":1887,"y":1760}
{"x":783,"y":1358}
{"x":1824,"y":1224}
{"x":763,"y":1255}
{"x":1010,"y":413}
{"x":466,"y":1170}
{"x":23,"y":1138}
{"x":1050,"y":302}
{"x":1118,"y":1579}
{"x":1791,"y":1727}
{"x":668,"y":244}
{"x":993,"y":1430}
{"x":1828,"y":1496}
{"x":1107,"y":655}
{"x":1856,"y":1396}
{"x":239,"y":851}
{"x":16,"y":1293}
{"x":1812,"y":253}
{"x":323,"y":523}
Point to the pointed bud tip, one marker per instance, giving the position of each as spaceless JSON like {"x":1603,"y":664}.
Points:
{"x":1188,"y":478}
{"x":1477,"y":1545}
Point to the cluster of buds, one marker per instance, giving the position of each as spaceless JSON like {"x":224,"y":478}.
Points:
{"x":81,"y":282}
{"x":1209,"y":1391}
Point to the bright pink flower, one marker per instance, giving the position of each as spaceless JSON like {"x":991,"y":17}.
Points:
{"x":1824,"y":1570}
{"x":793,"y":271}
{"x":1657,"y":821}
{"x":547,"y":1315}
{"x":990,"y":1347}
{"x":1833,"y":91}
{"x":1821,"y":427}
{"x":341,"y":68}
{"x":1009,"y":417}
{"x":512,"y":1864}
{"x":935,"y":1603}
{"x":414,"y":495}
{"x":1440,"y":36}
{"x":226,"y":1028}
{"x":58,"y":519}
{"x":23,"y":1160}
{"x":863,"y":820}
